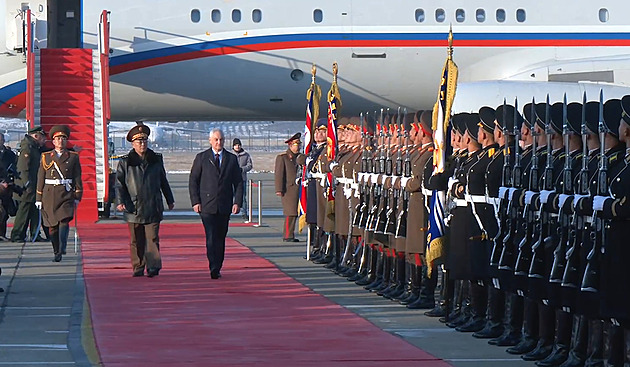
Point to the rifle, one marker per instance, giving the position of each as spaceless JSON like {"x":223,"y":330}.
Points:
{"x":381,"y":219}
{"x":506,"y":181}
{"x":363,"y":195}
{"x":378,"y":169}
{"x":571,"y":276}
{"x":390,"y":226}
{"x":401,"y":222}
{"x":537,"y":266}
{"x":590,"y":282}
{"x":559,"y":254}
{"x":508,"y":254}
{"x":524,"y":249}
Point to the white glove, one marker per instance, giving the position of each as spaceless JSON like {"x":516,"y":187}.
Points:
{"x":544,"y":195}
{"x":599,"y":201}
{"x":403,"y":181}
{"x":383,"y":178}
{"x":511,"y":192}
{"x":562,"y":198}
{"x":529,"y":195}
{"x":394,"y":179}
{"x":576,"y":200}
{"x":322,"y":182}
{"x":38,"y":205}
{"x":333,"y":165}
{"x":373,"y":178}
{"x":347,"y":192}
{"x":308,"y":160}
{"x":452,"y":181}
{"x":502,"y":192}
{"x":360,"y":177}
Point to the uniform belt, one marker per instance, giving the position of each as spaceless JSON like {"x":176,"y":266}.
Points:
{"x":318,"y":175}
{"x":461,"y":202}
{"x":476,"y":198}
{"x":493,"y":201}
{"x":427,"y":192}
{"x":588,"y":219}
{"x":346,"y":181}
{"x":553,"y":215}
{"x":49,"y":181}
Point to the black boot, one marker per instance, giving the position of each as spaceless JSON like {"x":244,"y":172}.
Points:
{"x":405,"y":280}
{"x":400,"y":276}
{"x":546,"y":329}
{"x":595,"y":350}
{"x":614,"y":346}
{"x":426,"y":300}
{"x":529,"y":339}
{"x":560,"y":351}
{"x":382,"y":271}
{"x":373,"y":256}
{"x":363,"y":263}
{"x":514,"y":322}
{"x":496,"y":310}
{"x":479,"y":302}
{"x":414,"y":285}
{"x":579,"y":343}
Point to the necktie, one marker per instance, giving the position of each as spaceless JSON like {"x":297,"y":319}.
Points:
{"x":216,"y":158}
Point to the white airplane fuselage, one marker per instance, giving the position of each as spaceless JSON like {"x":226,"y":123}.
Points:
{"x":166,"y":65}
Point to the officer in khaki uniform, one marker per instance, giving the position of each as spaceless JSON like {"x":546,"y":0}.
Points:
{"x":59,"y":188}
{"x":286,"y":187}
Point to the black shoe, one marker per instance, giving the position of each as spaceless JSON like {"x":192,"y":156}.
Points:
{"x":506,"y":340}
{"x":525,"y":346}
{"x":475,"y":324}
{"x":542,"y":351}
{"x":57,"y":258}
{"x":459,"y":321}
{"x":40,"y":239}
{"x":421,"y":304}
{"x":153,"y":272}
{"x":574,"y":360}
{"x":490,"y":331}
{"x":437,"y":311}
{"x":558,"y":355}
{"x":323,"y":260}
{"x":290,"y":240}
{"x":63,"y":252}
{"x":138,"y":273}
{"x":215,"y":274}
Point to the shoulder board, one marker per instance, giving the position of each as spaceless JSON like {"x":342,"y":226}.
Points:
{"x":124,"y":156}
{"x":562,"y":155}
{"x":73,"y":152}
{"x":491,"y":152}
{"x":158,"y":154}
{"x":283,"y":153}
{"x":579,"y":155}
{"x":612,"y":158}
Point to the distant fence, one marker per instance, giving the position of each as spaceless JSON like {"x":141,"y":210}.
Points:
{"x":254,"y":137}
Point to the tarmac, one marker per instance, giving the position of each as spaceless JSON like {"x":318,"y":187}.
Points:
{"x":45,"y":321}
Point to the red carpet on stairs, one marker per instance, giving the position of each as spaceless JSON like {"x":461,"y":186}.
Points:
{"x":255,"y":315}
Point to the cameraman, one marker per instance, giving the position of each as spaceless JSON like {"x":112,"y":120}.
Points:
{"x":7,"y":206}
{"x":28,"y":166}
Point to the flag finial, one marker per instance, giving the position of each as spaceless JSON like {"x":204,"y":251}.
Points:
{"x":335,"y":71}
{"x":450,"y":42}
{"x":313,"y":72}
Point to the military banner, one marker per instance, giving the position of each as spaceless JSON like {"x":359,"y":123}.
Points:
{"x":334,"y":104}
{"x":441,"y":116}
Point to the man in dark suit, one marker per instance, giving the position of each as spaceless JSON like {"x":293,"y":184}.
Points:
{"x":216,"y":190}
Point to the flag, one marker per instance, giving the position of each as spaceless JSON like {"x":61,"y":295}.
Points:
{"x":312,"y":113}
{"x":334,"y":105}
{"x":441,"y":115}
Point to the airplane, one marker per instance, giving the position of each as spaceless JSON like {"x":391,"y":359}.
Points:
{"x":246,"y":60}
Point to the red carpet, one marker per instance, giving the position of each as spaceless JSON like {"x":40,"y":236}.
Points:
{"x":254,"y":316}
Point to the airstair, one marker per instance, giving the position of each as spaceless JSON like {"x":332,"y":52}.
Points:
{"x":71,"y":86}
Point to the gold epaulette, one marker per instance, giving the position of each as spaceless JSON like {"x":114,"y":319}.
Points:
{"x":46,"y":166}
{"x":491,"y":152}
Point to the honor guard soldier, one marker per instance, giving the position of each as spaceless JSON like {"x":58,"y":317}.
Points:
{"x":313,"y":181}
{"x":59,"y":188}
{"x":615,"y":276}
{"x":319,"y":177}
{"x":286,"y":186}
{"x":421,"y":134}
{"x":611,"y":162}
{"x":459,"y":259}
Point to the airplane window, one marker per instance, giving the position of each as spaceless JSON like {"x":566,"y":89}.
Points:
{"x":419,"y":15}
{"x":481,"y":15}
{"x":603,"y":15}
{"x":440,"y":16}
{"x":460,"y":15}
{"x":257,"y":15}
{"x":318,"y":15}
{"x":520,"y":15}
{"x":195,"y":15}
{"x":216,"y":15}
{"x":500,"y":15}
{"x":236,"y":15}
